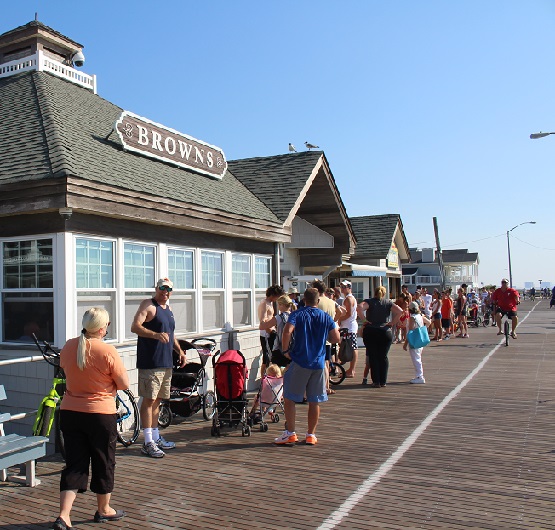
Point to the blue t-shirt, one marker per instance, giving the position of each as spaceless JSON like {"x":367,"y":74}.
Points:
{"x":312,"y":326}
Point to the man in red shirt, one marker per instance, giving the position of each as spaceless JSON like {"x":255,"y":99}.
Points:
{"x":506,"y":299}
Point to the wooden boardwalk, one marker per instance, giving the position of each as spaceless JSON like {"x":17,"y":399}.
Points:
{"x":484,"y":459}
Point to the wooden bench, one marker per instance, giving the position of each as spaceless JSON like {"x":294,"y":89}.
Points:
{"x":16,"y":449}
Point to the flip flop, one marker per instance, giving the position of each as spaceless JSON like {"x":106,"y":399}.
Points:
{"x":349,"y":376}
{"x":513,"y":335}
{"x":500,"y":333}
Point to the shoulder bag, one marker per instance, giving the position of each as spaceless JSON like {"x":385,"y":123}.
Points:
{"x":418,"y":337}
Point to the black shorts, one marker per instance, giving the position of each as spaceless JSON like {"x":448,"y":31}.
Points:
{"x":509,"y":313}
{"x":266,"y":350}
{"x":446,"y":323}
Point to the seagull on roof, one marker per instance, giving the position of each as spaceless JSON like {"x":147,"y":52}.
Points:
{"x":292,"y":148}
{"x":311,"y":146}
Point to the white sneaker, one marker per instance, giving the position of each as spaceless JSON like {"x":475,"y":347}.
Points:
{"x":418,"y":381}
{"x":152,"y":450}
{"x":162,"y":443}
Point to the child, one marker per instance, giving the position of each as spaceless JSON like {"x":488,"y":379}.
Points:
{"x":416,"y":320}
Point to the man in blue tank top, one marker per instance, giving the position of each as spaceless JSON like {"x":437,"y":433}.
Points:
{"x":155,"y":325}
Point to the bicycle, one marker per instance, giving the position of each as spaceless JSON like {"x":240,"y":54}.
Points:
{"x":336,"y":370}
{"x":48,"y":414}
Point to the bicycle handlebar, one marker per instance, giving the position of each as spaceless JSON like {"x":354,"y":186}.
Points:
{"x":49,"y":353}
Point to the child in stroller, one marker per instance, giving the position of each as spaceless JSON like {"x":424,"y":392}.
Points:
{"x":269,"y":398}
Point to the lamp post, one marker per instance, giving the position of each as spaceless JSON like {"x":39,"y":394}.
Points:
{"x":540,"y":286}
{"x":509,"y":243}
{"x":535,"y":136}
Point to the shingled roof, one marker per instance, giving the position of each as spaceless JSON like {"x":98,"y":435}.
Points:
{"x":277,"y":180}
{"x":458,"y":255}
{"x":375,"y":234}
{"x":53,"y":129}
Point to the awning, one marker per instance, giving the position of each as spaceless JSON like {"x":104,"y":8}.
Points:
{"x":365,"y":271}
{"x":409,"y":271}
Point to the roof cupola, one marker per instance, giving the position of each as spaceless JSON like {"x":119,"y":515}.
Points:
{"x":35,"y":46}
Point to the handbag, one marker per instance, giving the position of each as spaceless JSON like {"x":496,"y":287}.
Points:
{"x":418,"y":337}
{"x":346,"y":351}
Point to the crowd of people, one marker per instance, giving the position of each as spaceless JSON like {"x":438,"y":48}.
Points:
{"x":299,"y":337}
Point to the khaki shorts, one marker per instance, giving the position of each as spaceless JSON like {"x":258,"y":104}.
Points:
{"x":155,"y":383}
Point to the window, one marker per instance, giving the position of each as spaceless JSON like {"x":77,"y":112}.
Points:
{"x":358,"y":290}
{"x":139,"y":278}
{"x":27,"y":290}
{"x":94,"y":279}
{"x":213,"y":295}
{"x":183,"y":300}
{"x":263,"y":273}
{"x":139,"y":266}
{"x":241,"y":289}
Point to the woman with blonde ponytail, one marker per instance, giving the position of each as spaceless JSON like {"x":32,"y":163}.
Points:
{"x":94,"y":373}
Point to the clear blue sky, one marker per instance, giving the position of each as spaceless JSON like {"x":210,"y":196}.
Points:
{"x":423,"y":108}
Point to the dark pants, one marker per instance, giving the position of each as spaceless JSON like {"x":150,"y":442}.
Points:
{"x":377,"y":342}
{"x":90,"y":439}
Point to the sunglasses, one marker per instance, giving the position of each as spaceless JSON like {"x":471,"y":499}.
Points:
{"x":165,"y":288}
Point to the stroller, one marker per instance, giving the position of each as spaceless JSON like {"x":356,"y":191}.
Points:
{"x":268,"y":400}
{"x":230,"y":381}
{"x":475,"y":316}
{"x":188,"y":386}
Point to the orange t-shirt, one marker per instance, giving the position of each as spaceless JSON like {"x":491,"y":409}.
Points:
{"x":92,"y":389}
{"x":446,"y":308}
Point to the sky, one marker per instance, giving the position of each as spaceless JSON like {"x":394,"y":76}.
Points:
{"x":423,"y":108}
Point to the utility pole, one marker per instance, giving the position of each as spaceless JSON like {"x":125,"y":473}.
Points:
{"x":439,"y":256}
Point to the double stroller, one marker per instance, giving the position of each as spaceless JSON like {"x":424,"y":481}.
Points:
{"x":188,"y":385}
{"x":230,"y":382}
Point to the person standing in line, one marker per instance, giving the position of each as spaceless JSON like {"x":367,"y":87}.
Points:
{"x":154,"y":324}
{"x":334,"y":311}
{"x":416,"y":320}
{"x":435,"y":310}
{"x":446,"y":314}
{"x":405,"y":291}
{"x":348,"y":323}
{"x":293,"y":294}
{"x":461,"y":308}
{"x":305,"y":375}
{"x":380,"y":316}
{"x":265,"y":314}
{"x":427,"y":299}
{"x":94,"y":373}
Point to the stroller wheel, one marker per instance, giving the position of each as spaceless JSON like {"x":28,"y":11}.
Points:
{"x":263,"y":427}
{"x":248,"y":430}
{"x":165,"y":416}
{"x":213,"y":431}
{"x":275,"y":419}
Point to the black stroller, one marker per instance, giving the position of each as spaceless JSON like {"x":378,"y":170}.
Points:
{"x":188,"y":386}
{"x":230,"y":382}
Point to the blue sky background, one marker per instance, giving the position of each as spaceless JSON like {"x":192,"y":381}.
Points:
{"x":422,"y":108}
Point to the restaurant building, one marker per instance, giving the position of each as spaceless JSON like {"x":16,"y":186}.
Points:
{"x":97,"y":202}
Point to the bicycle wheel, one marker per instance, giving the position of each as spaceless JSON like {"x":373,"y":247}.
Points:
{"x":60,"y":442}
{"x":45,"y":424}
{"x":208,"y":405}
{"x":506,"y":331}
{"x":165,"y":415}
{"x":127,"y":414}
{"x":337,"y":373}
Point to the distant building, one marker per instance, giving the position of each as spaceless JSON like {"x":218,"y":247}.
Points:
{"x":460,"y":266}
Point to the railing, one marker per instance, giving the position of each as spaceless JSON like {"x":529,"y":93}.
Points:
{"x":31,"y":359}
{"x":422,"y":280}
{"x":40,"y":63}
{"x":461,"y":279}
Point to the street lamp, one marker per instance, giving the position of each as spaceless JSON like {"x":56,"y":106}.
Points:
{"x":508,"y":239}
{"x":535,"y":136}
{"x":540,"y":285}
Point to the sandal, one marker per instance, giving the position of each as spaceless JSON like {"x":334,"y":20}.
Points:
{"x":330,"y":391}
{"x":513,"y":335}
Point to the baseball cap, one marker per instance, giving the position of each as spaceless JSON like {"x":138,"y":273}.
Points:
{"x":346,"y":283}
{"x":504,"y":280}
{"x":164,"y":281}
{"x":413,"y":306}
